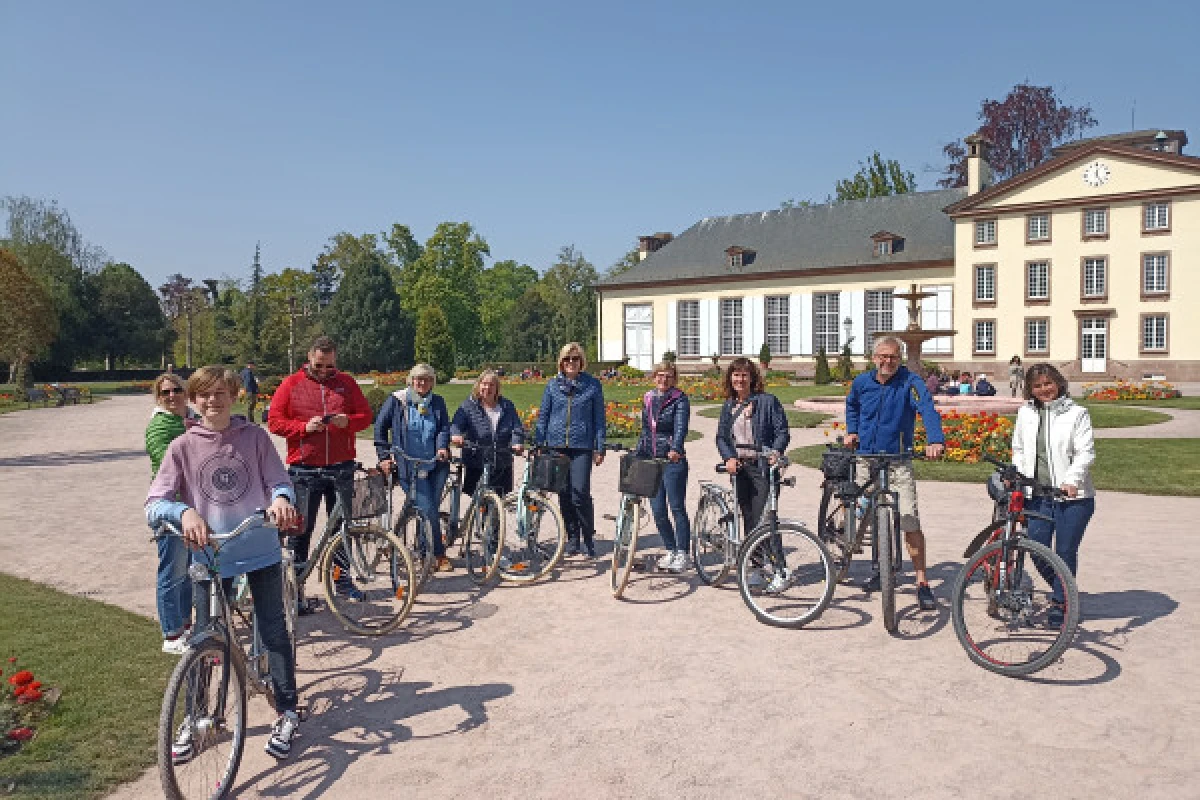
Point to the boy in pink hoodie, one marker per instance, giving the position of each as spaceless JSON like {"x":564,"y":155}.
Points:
{"x":218,"y":473}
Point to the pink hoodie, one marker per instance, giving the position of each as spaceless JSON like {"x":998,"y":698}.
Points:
{"x":225,"y":476}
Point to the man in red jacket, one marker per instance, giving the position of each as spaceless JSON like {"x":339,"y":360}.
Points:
{"x":318,"y":410}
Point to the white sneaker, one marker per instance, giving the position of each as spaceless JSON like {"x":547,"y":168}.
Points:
{"x":667,"y":561}
{"x":177,"y":646}
{"x":777,"y":584}
{"x":680,"y":563}
{"x":279,"y":744}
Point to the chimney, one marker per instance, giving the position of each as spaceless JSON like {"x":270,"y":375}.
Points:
{"x":979,"y":172}
{"x":651,"y":243}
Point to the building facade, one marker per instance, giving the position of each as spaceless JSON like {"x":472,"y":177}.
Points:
{"x":1084,"y":261}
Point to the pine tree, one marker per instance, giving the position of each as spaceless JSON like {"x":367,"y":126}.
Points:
{"x":845,"y":364}
{"x":764,"y":355}
{"x":822,"y":375}
{"x":365,"y":319}
{"x":435,"y":342}
{"x":258,"y":309}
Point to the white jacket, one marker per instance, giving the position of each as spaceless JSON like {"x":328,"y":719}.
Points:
{"x":1070,"y":444}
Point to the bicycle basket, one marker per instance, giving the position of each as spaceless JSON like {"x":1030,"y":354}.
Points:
{"x":640,"y":476}
{"x":551,"y":472}
{"x":370,"y":495}
{"x":837,"y":465}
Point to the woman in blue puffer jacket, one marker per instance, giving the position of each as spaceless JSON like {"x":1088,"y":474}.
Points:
{"x":666,"y":413}
{"x":571,"y":420}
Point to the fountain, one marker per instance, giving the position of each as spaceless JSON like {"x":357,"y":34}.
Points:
{"x":914,"y":335}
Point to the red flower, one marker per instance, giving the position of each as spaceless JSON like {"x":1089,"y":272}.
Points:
{"x":20,"y":734}
{"x":29,"y":696}
{"x":21,"y":678}
{"x":12,"y":660}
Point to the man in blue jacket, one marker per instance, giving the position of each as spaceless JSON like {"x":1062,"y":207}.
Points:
{"x":881,"y":415}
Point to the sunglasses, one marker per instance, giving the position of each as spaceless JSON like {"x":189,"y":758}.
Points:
{"x":572,"y":360}
{"x":173,"y":390}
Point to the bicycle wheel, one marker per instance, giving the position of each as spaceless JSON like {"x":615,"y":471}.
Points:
{"x":831,"y":521}
{"x":625,"y":544}
{"x":413,"y":531}
{"x":884,"y":526}
{"x":1001,"y":620}
{"x":534,"y":539}
{"x":291,"y":595}
{"x":373,"y":594}
{"x":448,"y":530}
{"x":710,"y":540}
{"x":483,"y":538}
{"x":786,"y":576}
{"x":199,"y":746}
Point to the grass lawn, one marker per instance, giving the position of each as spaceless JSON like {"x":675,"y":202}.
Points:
{"x":1191,"y":402}
{"x":1142,"y":466}
{"x":1105,"y":415}
{"x":796,"y":419}
{"x":112,"y":675}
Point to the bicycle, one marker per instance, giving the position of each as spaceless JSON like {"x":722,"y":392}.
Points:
{"x":410,"y":524}
{"x":483,"y":531}
{"x":999,"y":618}
{"x":640,"y":479}
{"x":784,"y":572}
{"x":880,"y":507}
{"x":205,"y":700}
{"x":540,"y":535}
{"x":367,"y":572}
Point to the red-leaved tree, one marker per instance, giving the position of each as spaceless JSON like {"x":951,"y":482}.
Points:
{"x":1023,"y":128}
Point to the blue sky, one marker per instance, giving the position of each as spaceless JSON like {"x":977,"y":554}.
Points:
{"x":177,"y":135}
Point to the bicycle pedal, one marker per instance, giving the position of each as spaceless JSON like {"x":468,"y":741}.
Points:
{"x":520,"y":566}
{"x":611,"y":517}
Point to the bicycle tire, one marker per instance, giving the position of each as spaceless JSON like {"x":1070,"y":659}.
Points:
{"x":448,"y":530}
{"x":415,"y":533}
{"x":710,"y":540}
{"x":482,"y":550}
{"x":291,"y":599}
{"x":831,"y":530}
{"x":387,"y":582}
{"x":1019,"y":605}
{"x":202,"y":668}
{"x":884,"y":521}
{"x":545,"y":538}
{"x":810,"y":574}
{"x":624,"y":545}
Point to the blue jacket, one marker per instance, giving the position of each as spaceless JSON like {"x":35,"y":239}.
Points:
{"x":471,"y":422}
{"x":672,"y":417}
{"x":391,"y":426}
{"x":769,"y":424}
{"x":572,"y":416}
{"x":882,"y":413}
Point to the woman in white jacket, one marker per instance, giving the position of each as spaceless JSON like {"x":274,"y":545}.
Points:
{"x":1053,"y":444}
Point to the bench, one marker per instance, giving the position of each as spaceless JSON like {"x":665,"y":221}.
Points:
{"x":72,"y":396}
{"x":36,"y":396}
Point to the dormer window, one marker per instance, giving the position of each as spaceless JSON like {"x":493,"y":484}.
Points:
{"x":885,"y":243}
{"x":738,"y":257}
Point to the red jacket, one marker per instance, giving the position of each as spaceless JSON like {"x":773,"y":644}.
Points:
{"x":300,"y":398}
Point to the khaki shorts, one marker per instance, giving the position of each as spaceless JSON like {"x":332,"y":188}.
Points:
{"x":900,"y":481}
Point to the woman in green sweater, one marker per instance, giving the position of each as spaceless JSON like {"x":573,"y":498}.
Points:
{"x":173,"y":589}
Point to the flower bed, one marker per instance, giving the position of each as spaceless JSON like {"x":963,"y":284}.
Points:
{"x":1128,"y":390}
{"x":21,"y":708}
{"x":969,"y":436}
{"x":620,"y":419}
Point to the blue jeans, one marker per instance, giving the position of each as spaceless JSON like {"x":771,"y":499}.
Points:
{"x":427,"y":497}
{"x":266,"y":589}
{"x":1070,"y":521}
{"x":579,"y":514}
{"x":173,"y":588}
{"x":673,"y":494}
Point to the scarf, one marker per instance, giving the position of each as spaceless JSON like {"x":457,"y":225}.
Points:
{"x":421,"y":404}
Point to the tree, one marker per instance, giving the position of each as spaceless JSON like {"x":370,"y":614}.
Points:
{"x":530,"y":328}
{"x":343,"y":251}
{"x":822,"y":373}
{"x":435,"y":343}
{"x":28,"y":323}
{"x":364,"y":317}
{"x":1022,"y":129}
{"x":625,"y":263}
{"x":792,"y":202}
{"x":446,"y":274}
{"x":876,"y":178}
{"x":258,"y":311}
{"x":290,"y":300}
{"x":764,"y":355}
{"x":568,"y":288}
{"x":500,"y":288}
{"x":845,"y":364}
{"x":128,"y":322}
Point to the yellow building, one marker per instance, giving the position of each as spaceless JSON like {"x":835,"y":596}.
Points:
{"x":1083,"y":261}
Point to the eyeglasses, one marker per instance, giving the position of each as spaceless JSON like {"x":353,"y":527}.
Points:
{"x":172,"y":390}
{"x":887,"y":358}
{"x":572,"y":360}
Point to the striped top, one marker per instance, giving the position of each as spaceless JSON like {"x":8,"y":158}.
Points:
{"x":162,"y":430}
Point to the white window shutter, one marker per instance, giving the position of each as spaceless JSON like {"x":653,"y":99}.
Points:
{"x":672,"y":342}
{"x":845,"y":308}
{"x":709,"y":327}
{"x":858,"y":313}
{"x":806,"y":314}
{"x":796,"y":323}
{"x":754,"y":327}
{"x":899,"y":311}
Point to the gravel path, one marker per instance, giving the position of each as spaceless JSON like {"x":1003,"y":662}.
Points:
{"x":557,"y":688}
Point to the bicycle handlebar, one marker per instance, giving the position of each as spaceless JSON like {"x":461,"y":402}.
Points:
{"x":1010,"y":474}
{"x":260,"y":518}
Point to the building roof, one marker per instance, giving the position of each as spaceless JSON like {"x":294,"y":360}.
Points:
{"x":1128,"y":138}
{"x":815,"y":238}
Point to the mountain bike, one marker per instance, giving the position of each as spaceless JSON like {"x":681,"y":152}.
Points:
{"x":366,"y":570}
{"x":1001,"y":616}
{"x":482,"y":529}
{"x":785,"y":574}
{"x":640,"y":479}
{"x":534,"y":537}
{"x":880,"y":506}
{"x":205,"y":699}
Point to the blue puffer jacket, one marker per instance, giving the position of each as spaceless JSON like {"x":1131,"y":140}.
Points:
{"x":884,"y":415}
{"x":572,"y":413}
{"x":473,"y":424}
{"x":769,"y":424}
{"x":671,"y":416}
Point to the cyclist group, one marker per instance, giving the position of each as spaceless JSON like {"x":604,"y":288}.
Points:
{"x":213,"y":469}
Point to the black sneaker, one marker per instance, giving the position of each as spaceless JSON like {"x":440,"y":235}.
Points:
{"x":573,"y":548}
{"x":925,"y":598}
{"x":591,"y":549}
{"x":279,"y":743}
{"x":871,"y":584}
{"x":346,"y":588}
{"x":1056,"y":615}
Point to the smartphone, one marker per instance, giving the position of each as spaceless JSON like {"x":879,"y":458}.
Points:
{"x":325,"y":420}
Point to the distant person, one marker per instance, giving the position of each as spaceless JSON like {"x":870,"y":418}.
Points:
{"x":933,"y":383}
{"x":1016,"y":375}
{"x":964,"y":384}
{"x":984,"y":387}
{"x":250,"y":387}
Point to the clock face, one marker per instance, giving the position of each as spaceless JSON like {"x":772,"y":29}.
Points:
{"x":1096,"y":173}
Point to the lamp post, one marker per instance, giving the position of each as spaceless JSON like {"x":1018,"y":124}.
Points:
{"x":848,"y":325}
{"x":293,"y":315}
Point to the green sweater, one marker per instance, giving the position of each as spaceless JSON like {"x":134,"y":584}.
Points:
{"x":162,"y":430}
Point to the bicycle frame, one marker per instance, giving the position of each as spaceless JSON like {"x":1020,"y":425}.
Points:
{"x":455,"y":486}
{"x":883,"y":497}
